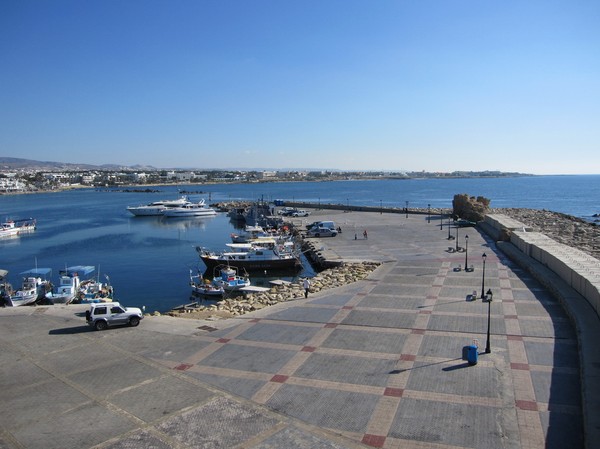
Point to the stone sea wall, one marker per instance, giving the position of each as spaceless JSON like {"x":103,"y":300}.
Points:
{"x":578,"y":268}
{"x":566,"y":229}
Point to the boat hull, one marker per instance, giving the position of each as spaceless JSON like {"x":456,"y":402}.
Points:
{"x":174,"y":213}
{"x":253,"y":265}
{"x":22,"y":300}
{"x":146,"y":211}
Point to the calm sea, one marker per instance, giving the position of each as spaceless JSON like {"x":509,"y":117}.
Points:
{"x":148,"y":259}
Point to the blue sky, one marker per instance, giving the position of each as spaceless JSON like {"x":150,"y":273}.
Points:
{"x":352,"y":85}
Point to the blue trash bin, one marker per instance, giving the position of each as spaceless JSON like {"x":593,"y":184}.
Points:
{"x":472,"y":355}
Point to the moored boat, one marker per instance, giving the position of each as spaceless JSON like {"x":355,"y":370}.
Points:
{"x":157,"y":208}
{"x":204,"y":287}
{"x":250,"y":233}
{"x":33,"y":287}
{"x":190,"y":210}
{"x":93,"y":291}
{"x":268,"y":254}
{"x":227,"y":278}
{"x":69,"y":282}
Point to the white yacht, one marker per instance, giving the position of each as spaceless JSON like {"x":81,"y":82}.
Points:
{"x":157,"y":207}
{"x":190,"y":210}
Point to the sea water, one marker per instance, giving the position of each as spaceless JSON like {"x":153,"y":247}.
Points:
{"x":148,"y":259}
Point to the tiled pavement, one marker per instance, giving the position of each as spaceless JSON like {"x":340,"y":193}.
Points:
{"x":374,"y":364}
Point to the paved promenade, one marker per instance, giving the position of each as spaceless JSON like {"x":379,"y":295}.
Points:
{"x":374,"y":364}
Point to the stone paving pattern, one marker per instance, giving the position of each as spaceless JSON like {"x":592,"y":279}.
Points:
{"x":374,"y":364}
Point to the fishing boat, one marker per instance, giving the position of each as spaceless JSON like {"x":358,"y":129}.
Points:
{"x":69,"y":282}
{"x":34,"y":286}
{"x":227,"y":278}
{"x":190,"y":210}
{"x":203,"y":287}
{"x":250,"y":233}
{"x":93,"y":291}
{"x":260,"y":255}
{"x":11,"y":228}
{"x":157,"y":208}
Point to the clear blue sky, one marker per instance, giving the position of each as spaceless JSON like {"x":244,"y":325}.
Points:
{"x":375,"y":85}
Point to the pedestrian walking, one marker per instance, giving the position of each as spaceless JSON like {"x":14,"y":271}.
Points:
{"x":365,"y":235}
{"x":306,"y":285}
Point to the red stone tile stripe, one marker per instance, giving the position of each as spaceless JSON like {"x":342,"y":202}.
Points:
{"x":373,"y":440}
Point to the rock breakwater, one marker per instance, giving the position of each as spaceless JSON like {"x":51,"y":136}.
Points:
{"x":334,"y":277}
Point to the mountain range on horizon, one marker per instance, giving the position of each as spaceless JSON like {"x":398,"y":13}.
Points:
{"x":13,"y":163}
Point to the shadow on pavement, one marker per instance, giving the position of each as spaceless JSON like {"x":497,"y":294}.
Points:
{"x":71,"y":330}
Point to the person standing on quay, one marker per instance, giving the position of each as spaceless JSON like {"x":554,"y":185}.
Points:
{"x":306,"y":285}
{"x":365,"y":235}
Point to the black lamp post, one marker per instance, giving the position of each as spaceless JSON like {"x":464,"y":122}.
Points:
{"x":466,"y":251}
{"x":441,"y":219}
{"x":489,"y":301}
{"x":456,"y":246}
{"x":483,"y":257}
{"x":429,"y":213}
{"x":449,"y":236}
{"x":407,"y":209}
{"x":380,"y":207}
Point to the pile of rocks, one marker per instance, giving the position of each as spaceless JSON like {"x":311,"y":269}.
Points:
{"x":566,"y":229}
{"x":335,"y":277}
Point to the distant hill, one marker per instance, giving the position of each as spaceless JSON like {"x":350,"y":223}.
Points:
{"x":15,"y":163}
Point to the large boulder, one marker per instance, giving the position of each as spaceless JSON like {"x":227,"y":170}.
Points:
{"x":469,"y":207}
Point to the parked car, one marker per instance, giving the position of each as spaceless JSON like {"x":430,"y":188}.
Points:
{"x":321,"y":224}
{"x":321,"y":231}
{"x":105,"y":314}
{"x":286,"y":211}
{"x":300,"y":213}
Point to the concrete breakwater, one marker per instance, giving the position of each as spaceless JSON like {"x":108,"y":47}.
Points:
{"x":338,"y":276}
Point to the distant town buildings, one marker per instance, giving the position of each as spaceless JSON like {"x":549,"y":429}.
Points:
{"x":32,"y":180}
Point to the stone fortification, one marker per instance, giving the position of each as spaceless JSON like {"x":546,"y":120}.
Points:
{"x":469,"y":207}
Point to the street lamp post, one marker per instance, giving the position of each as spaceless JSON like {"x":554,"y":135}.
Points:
{"x":488,"y":349}
{"x":380,"y":207}
{"x":441,"y":219}
{"x":466,"y":250}
{"x":483,"y":257}
{"x":456,"y":246}
{"x":449,"y":236}
{"x":429,"y":213}
{"x":406,"y":209}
